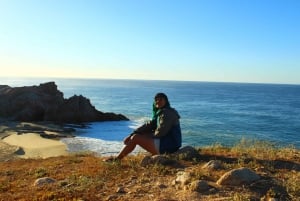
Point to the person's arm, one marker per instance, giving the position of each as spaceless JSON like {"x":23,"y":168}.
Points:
{"x":145,"y":128}
{"x":166,"y":121}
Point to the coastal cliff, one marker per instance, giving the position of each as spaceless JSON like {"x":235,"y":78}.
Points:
{"x":46,"y":103}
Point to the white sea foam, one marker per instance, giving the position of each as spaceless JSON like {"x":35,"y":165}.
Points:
{"x":101,"y":147}
{"x":104,"y":138}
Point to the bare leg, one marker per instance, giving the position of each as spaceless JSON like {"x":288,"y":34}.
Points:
{"x":145,"y":141}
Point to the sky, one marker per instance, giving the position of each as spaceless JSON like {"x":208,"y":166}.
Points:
{"x":256,"y":41}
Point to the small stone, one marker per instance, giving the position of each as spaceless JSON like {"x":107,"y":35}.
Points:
{"x":187,"y":153}
{"x":183,"y":177}
{"x":120,"y":190}
{"x":160,"y":185}
{"x":64,"y":183}
{"x":111,"y":197}
{"x":157,"y":159}
{"x":44,"y":181}
{"x":199,"y":186}
{"x":212,"y":165}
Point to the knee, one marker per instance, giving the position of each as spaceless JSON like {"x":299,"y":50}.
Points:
{"x":138,"y":138}
{"x":135,"y":137}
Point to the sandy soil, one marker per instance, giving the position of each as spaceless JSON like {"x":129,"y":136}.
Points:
{"x":33,"y":145}
{"x":31,"y":140}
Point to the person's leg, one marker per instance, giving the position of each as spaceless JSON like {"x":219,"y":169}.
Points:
{"x":145,"y":141}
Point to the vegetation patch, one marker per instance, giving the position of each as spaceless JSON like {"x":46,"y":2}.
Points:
{"x":85,"y":176}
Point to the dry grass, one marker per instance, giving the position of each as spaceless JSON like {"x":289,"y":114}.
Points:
{"x":86,"y":177}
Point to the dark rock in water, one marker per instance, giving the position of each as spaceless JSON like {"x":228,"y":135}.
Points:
{"x":46,"y":103}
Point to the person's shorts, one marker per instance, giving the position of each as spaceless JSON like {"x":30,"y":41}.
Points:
{"x":157,"y":144}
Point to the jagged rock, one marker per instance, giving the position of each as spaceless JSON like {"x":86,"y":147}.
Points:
{"x":44,"y":181}
{"x":28,"y":103}
{"x":238,"y":176}
{"x":46,"y":103}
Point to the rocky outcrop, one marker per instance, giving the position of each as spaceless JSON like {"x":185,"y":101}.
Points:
{"x":238,"y":177}
{"x":46,"y":103}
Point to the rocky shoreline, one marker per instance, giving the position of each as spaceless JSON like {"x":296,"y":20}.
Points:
{"x":37,"y":115}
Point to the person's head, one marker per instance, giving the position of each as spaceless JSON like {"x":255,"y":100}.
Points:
{"x":161,"y":100}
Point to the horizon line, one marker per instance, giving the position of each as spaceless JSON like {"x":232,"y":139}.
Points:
{"x":136,"y":79}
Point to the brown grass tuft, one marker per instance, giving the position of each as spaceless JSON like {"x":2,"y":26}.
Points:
{"x":85,"y":177}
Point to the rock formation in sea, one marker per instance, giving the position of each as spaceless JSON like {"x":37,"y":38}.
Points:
{"x":46,"y":103}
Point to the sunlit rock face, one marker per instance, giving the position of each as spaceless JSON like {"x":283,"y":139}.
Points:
{"x":46,"y":103}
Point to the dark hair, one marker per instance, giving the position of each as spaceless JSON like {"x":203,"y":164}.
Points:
{"x":155,"y":110}
{"x":162,"y":95}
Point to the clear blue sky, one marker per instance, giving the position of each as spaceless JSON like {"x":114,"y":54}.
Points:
{"x":201,"y":40}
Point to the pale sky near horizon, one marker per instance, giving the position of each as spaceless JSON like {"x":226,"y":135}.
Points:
{"x":197,"y":40}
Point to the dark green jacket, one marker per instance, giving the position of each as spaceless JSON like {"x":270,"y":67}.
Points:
{"x":166,"y":127}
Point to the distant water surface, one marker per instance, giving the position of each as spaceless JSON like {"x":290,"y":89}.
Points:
{"x":210,"y":112}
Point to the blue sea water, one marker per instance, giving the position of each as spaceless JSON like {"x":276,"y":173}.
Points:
{"x":211,"y":112}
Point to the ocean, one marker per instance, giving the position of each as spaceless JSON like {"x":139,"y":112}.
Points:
{"x":211,"y":112}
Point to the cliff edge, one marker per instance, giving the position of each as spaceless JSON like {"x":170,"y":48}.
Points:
{"x":46,"y":103}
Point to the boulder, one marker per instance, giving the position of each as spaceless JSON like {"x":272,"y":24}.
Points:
{"x":187,"y":153}
{"x":238,"y":176}
{"x":46,"y":103}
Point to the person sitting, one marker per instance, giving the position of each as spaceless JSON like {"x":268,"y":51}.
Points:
{"x":161,"y":135}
